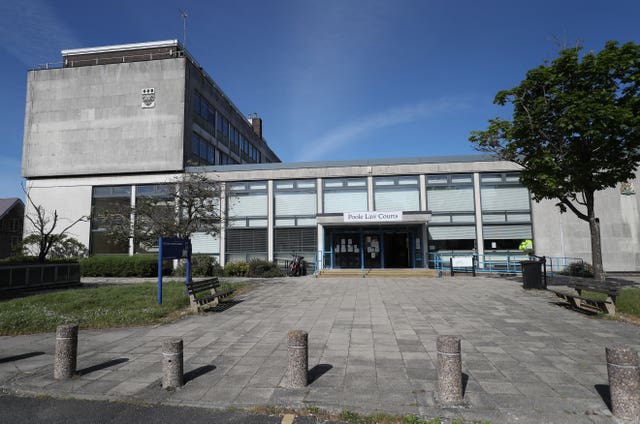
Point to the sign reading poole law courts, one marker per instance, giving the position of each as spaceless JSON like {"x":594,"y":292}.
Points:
{"x":372,"y":216}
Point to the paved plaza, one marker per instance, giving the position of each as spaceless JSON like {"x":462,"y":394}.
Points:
{"x":372,"y":348}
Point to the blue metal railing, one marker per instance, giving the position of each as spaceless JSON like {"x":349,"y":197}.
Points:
{"x":507,"y":263}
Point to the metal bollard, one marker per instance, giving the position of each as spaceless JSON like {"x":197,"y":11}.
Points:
{"x":298,"y":358}
{"x":64,"y":365}
{"x":172,"y":363}
{"x":623,"y":369}
{"x":449,"y":370}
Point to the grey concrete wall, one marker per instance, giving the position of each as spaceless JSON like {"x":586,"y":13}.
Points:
{"x":558,"y":234}
{"x":89,"y":120}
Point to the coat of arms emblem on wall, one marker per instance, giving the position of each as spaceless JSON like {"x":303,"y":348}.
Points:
{"x":627,"y":188}
{"x":148,"y":98}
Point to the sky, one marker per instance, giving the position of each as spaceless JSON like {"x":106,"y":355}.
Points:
{"x":331,"y":79}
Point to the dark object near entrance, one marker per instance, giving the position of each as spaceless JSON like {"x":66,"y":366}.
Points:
{"x":532,"y":275}
{"x":297,"y":266}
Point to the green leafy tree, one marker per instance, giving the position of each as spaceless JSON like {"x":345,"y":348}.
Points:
{"x":575,"y":129}
{"x":62,"y":246}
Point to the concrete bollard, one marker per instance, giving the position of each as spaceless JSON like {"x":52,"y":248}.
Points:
{"x":623,"y":369}
{"x":449,"y":370}
{"x":64,"y":365}
{"x":298,"y":358}
{"x":172,"y":363}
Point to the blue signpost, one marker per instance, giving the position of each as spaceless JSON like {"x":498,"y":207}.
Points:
{"x":172,"y":248}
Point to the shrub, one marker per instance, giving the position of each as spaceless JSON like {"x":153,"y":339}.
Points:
{"x":201,"y":266}
{"x":578,"y":269}
{"x":25,"y":260}
{"x":236,"y":269}
{"x":264,"y":269}
{"x":123,"y":266}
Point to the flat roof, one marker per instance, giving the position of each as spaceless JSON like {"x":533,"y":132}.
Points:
{"x":346,"y":163}
{"x":120,"y":47}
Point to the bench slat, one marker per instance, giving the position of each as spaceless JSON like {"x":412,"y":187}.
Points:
{"x":200,"y":292}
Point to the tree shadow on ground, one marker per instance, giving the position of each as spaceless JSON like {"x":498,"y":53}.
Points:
{"x":318,"y":371}
{"x":102,"y":366}
{"x":198,"y":372}
{"x":20,"y":357}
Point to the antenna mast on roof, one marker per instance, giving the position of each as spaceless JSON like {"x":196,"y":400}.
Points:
{"x":184,"y":27}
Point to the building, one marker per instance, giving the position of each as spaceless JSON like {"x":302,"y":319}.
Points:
{"x":132,"y":109}
{"x":11,"y":219}
{"x":95,"y":135}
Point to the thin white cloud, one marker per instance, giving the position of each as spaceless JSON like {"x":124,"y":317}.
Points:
{"x":31,"y":31}
{"x":355,"y":131}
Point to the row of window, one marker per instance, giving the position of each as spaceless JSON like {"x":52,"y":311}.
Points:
{"x":204,"y":153}
{"x":215,"y":123}
{"x":505,"y":204}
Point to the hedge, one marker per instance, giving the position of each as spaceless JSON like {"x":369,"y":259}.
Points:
{"x":123,"y":266}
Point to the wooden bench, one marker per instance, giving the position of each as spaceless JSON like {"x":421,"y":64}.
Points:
{"x":205,"y":294}
{"x":582,"y":302}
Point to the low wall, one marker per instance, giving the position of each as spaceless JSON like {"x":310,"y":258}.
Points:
{"x":39,"y":276}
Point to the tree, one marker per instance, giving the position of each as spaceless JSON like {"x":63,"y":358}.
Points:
{"x":179,"y":209}
{"x":575,"y":130}
{"x":45,"y":228}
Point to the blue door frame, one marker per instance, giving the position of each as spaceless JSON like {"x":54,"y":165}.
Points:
{"x":359,"y":233}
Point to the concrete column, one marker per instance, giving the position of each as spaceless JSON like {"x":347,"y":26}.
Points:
{"x":172,"y":364}
{"x":425,"y":244}
{"x":270,"y":220}
{"x":64,"y":365}
{"x":320,"y":247}
{"x":298,"y":359}
{"x":449,"y":370}
{"x":131,"y":219}
{"x":478,"y":204}
{"x":223,"y":224}
{"x":423,"y":192}
{"x":370,"y":197}
{"x":623,"y":369}
{"x":319,"y":198}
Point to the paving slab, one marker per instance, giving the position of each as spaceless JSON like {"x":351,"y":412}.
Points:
{"x":372,"y":348}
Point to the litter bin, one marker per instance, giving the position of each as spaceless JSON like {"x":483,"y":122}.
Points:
{"x":532,"y":275}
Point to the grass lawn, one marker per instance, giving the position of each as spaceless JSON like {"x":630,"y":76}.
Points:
{"x":96,"y":307}
{"x":627,"y":303}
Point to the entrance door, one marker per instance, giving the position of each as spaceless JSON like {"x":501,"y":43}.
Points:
{"x":346,"y":250}
{"x":397,"y":250}
{"x":372,"y":251}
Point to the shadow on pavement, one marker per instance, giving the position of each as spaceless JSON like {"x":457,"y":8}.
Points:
{"x":200,"y":371}
{"x":102,"y":366}
{"x":318,"y":371}
{"x":605,"y":393}
{"x":465,"y":380}
{"x":223,"y":306}
{"x":19,"y":357}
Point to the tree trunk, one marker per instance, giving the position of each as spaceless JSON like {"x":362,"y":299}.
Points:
{"x":596,"y":245}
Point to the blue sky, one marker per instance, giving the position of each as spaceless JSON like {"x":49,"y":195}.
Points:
{"x":332,"y":79}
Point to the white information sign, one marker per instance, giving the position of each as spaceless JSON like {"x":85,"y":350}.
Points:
{"x":373,"y":216}
{"x":462,"y":261}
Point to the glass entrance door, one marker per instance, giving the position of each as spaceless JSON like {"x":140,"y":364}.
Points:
{"x":397,"y":250}
{"x":373,"y":250}
{"x":369,"y":248}
{"x":346,"y":250}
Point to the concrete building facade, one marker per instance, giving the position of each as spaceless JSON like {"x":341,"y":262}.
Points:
{"x":118,"y":123}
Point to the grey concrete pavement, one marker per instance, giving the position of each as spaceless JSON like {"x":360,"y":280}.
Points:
{"x":372,"y":347}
